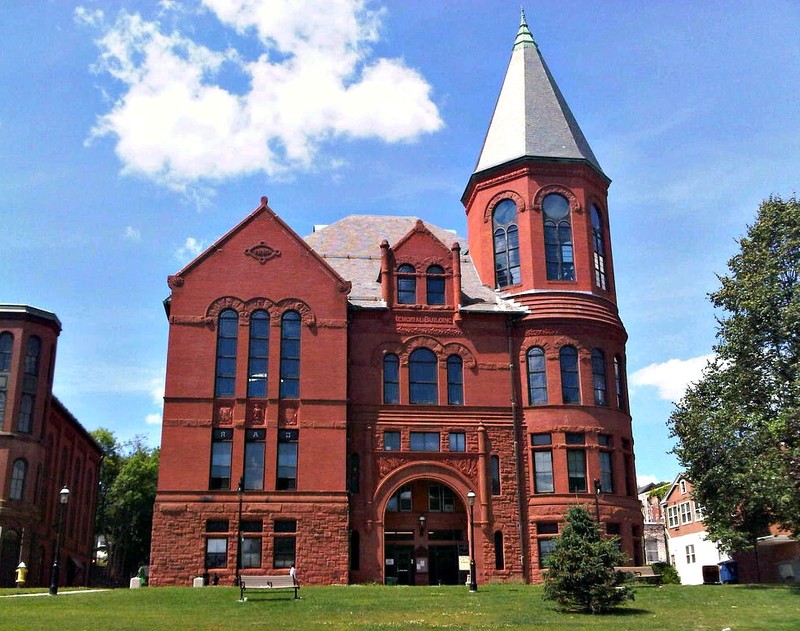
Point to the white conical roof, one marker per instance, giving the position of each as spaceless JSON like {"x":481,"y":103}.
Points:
{"x":531,"y":118}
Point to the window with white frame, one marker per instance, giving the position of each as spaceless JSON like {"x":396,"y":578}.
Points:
{"x":672,"y":516}
{"x":690,"y":556}
{"x":683,"y":487}
{"x":686,"y":512}
{"x":699,"y":514}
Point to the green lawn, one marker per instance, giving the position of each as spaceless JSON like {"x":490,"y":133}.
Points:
{"x":712,"y":607}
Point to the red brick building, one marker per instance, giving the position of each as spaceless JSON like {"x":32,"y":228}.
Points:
{"x":362,"y":381}
{"x":43,"y":448}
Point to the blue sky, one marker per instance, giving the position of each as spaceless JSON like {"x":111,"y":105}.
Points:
{"x":133,"y":135}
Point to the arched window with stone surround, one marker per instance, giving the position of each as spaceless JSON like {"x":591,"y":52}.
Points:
{"x":434,"y":285}
{"x":559,"y":257}
{"x":391,"y":379}
{"x":423,"y":377}
{"x":406,"y":284}
{"x":18,"y":473}
{"x":227,"y":337}
{"x":537,"y":376}
{"x":506,"y":244}
{"x":570,"y":384}
{"x":599,"y":377}
{"x":290,"y":355}
{"x":258,"y":356}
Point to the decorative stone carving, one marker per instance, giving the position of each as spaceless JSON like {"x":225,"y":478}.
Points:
{"x":191,"y":320}
{"x":225,"y":415}
{"x":257,"y":414}
{"x":175,"y":281}
{"x":262,"y":252}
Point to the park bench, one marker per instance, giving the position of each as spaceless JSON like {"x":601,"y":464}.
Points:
{"x":641,"y":574}
{"x":279,"y":581}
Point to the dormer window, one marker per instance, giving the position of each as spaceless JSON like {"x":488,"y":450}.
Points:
{"x":434,"y":285}
{"x":406,"y":285}
{"x":558,"y":238}
{"x":506,"y":244}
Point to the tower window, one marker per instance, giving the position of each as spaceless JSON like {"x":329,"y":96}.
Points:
{"x":599,"y":247}
{"x":6,"y":341}
{"x":558,"y":238}
{"x":18,"y":472}
{"x":434,"y":281}
{"x":406,"y":285}
{"x":619,"y":380}
{"x":570,"y":385}
{"x":599,"y":377}
{"x":537,"y":377}
{"x":506,"y":244}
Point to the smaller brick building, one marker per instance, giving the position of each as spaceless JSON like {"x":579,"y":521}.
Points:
{"x":42,"y":449}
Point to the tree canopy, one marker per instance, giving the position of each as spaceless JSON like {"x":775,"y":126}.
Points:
{"x":580,"y":571}
{"x":128,"y":479}
{"x":738,"y":428}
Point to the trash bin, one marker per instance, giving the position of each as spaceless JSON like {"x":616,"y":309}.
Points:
{"x":728,"y":572}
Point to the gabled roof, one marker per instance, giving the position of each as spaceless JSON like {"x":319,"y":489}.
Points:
{"x":531,"y":118}
{"x":351,"y":246}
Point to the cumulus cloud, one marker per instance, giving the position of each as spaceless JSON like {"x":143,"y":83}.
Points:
{"x":153,"y":419}
{"x":671,"y":377}
{"x":190,"y":113}
{"x":132,"y":234}
{"x":189,"y":250}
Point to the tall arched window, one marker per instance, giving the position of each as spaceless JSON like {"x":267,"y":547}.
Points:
{"x":423,"y":377}
{"x":227,"y":333}
{"x":6,"y":342}
{"x":258,"y":360}
{"x":506,"y":244}
{"x":599,"y":246}
{"x":290,"y":355}
{"x":537,"y":376}
{"x":391,"y":379}
{"x":434,"y":281}
{"x":455,"y":380}
{"x":499,"y":558}
{"x":619,"y":379}
{"x":406,"y":284}
{"x":570,"y":385}
{"x":32,"y":356}
{"x":558,"y":238}
{"x":599,"y":377}
{"x":18,"y":473}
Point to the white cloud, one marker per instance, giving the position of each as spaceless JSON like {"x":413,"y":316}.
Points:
{"x":671,"y":377}
{"x":314,"y":78}
{"x":189,"y":250}
{"x":153,"y":419}
{"x":643,"y":479}
{"x":132,"y":234}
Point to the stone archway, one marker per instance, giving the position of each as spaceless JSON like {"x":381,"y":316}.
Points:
{"x":423,"y":525}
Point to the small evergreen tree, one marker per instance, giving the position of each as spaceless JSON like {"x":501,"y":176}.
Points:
{"x":580,"y":571}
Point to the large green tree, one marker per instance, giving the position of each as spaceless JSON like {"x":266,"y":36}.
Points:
{"x":738,"y":428}
{"x":128,"y":479}
{"x":580,"y":571}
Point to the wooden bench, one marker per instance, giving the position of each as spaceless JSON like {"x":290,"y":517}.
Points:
{"x":640,"y":573}
{"x":280,"y":581}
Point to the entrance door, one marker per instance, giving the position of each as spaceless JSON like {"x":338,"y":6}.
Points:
{"x":443,"y":565}
{"x":399,"y":564}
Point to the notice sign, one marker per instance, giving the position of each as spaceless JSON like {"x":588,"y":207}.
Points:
{"x":463,"y":562}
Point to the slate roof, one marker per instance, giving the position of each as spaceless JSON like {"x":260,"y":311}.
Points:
{"x":531,"y":118}
{"x":351,"y":246}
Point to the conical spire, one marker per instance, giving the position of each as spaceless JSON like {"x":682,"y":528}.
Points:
{"x":531,"y":118}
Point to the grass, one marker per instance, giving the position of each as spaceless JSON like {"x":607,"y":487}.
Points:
{"x":710,"y":607}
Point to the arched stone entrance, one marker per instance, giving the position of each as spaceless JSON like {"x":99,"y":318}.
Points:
{"x":424,"y":526}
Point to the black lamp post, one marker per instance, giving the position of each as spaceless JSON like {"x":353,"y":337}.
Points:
{"x":473,"y":580}
{"x":240,"y":493}
{"x":598,"y":488}
{"x":63,"y":498}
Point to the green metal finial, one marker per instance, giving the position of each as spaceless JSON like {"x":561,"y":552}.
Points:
{"x":524,"y":37}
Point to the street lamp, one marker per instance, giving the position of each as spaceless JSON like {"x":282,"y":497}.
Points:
{"x":240,"y":493}
{"x":63,"y":498}
{"x":473,"y":580}
{"x":598,"y":488}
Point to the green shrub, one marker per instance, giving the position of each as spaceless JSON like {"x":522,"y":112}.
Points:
{"x":669,"y":575}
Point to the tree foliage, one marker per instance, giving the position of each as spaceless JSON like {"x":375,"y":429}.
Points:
{"x":738,"y":428}
{"x":580,"y":571}
{"x":128,"y":479}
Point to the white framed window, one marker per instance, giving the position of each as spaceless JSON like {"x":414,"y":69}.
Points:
{"x":699,"y":514}
{"x":686,"y":512}
{"x":690,"y":556}
{"x":672,"y":516}
{"x":683,"y":487}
